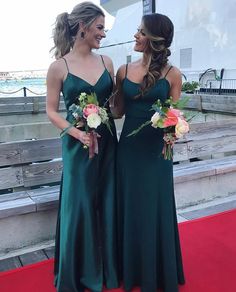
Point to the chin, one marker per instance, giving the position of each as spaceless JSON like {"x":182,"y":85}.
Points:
{"x":138,"y":49}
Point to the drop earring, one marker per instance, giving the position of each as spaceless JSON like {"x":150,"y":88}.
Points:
{"x":82,"y":35}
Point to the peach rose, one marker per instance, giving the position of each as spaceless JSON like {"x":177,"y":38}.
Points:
{"x":181,"y":128}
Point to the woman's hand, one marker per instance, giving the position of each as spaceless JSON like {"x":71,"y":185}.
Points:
{"x":84,"y":138}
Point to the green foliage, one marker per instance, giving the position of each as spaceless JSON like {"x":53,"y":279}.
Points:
{"x":190,"y":87}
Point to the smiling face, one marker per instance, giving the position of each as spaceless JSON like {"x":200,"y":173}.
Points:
{"x":96,"y":32}
{"x":141,"y":40}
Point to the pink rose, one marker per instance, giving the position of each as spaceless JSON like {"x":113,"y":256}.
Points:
{"x":90,"y":109}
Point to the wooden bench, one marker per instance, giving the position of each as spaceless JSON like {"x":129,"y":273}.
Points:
{"x":30,"y":173}
{"x":205,"y":163}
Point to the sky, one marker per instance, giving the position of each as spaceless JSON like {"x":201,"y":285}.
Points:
{"x":26,"y":32}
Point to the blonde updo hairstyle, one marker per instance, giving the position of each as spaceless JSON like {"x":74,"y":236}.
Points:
{"x":67,"y":26}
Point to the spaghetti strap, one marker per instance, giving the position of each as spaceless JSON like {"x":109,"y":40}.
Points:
{"x":66,"y":64}
{"x":168,"y":71}
{"x":103,"y":62}
{"x":126,"y":70}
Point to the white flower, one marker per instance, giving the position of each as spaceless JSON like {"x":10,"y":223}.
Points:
{"x":103,"y":114}
{"x":155,"y":118}
{"x":93,"y":120}
{"x":181,"y":128}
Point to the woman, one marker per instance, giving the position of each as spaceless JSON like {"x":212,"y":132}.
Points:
{"x":85,"y":240}
{"x":149,"y":241}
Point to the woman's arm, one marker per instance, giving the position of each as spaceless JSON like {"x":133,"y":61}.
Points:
{"x":55,"y":78}
{"x":118,"y":106}
{"x":175,"y":79}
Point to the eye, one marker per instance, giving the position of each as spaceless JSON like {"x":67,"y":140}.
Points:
{"x":101,"y":27}
{"x":140,"y":30}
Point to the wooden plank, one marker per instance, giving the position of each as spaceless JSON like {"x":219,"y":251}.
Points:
{"x":16,"y":108}
{"x":46,"y":201}
{"x":32,"y":257}
{"x":11,"y":177}
{"x":29,"y":131}
{"x":16,"y":100}
{"x":211,"y":146}
{"x":40,"y":150}
{"x":10,"y":264}
{"x":13,"y":196}
{"x":9,"y":154}
{"x":17,"y":207}
{"x":42,"y":173}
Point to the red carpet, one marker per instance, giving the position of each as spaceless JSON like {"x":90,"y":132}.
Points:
{"x":209,"y":255}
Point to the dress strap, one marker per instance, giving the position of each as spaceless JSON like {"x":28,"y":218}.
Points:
{"x":66,"y":64}
{"x":168,"y":71}
{"x":126,"y":70}
{"x":103,"y":62}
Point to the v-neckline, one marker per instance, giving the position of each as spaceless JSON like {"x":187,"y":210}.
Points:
{"x":92,"y":85}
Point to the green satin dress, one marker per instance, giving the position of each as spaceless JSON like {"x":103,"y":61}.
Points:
{"x":86,"y":250}
{"x":149,"y":244}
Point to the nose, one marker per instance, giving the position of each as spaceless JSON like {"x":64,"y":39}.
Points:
{"x":103,"y":34}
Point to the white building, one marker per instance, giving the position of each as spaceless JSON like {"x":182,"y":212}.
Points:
{"x":205,"y":35}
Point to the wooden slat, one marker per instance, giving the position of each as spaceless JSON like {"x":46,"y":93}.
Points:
{"x":9,"y":154}
{"x":212,"y":103}
{"x":211,"y":146}
{"x":40,"y":150}
{"x":16,"y":108}
{"x":11,"y":177}
{"x":29,"y":151}
{"x":17,"y":207}
{"x":42,"y":173}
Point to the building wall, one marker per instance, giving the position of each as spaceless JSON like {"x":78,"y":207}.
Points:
{"x":205,"y":35}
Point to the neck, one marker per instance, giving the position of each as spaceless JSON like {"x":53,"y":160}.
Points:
{"x":81,"y":49}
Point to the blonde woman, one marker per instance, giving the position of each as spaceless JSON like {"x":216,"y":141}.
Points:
{"x":86,"y":231}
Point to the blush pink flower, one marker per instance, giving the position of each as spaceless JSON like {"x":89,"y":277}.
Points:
{"x":90,"y":109}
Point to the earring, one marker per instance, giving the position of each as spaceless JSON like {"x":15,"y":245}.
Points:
{"x":82,"y":35}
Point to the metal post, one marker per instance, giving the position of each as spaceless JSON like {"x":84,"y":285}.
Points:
{"x":24,"y":90}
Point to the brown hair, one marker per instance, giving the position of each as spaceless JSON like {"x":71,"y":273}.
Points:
{"x":67,"y":26}
{"x":159,"y":30}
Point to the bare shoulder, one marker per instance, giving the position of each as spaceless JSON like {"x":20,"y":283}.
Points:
{"x":108,"y":62}
{"x":174,"y":72}
{"x":57,"y":68}
{"x":121,"y":72}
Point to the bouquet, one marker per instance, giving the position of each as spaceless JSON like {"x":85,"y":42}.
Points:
{"x":171,"y":119}
{"x":88,"y":114}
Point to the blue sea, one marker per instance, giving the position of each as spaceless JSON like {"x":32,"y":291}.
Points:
{"x":13,"y":87}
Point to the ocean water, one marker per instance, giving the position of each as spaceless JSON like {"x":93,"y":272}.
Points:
{"x":33,"y":87}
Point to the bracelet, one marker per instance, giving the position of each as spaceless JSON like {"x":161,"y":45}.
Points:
{"x":64,"y":131}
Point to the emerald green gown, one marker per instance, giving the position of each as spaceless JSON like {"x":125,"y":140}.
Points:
{"x":86,"y":250}
{"x":150,"y":255}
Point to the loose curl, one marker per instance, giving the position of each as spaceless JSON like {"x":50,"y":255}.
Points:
{"x":159,"y":30}
{"x":67,"y":26}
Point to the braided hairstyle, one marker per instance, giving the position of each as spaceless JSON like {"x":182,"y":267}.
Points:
{"x":159,"y":31}
{"x":67,"y":26}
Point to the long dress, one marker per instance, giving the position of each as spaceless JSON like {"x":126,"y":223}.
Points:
{"x":86,"y":253}
{"x":148,"y":234}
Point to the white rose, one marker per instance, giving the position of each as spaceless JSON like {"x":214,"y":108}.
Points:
{"x":93,"y":120}
{"x":181,"y":128}
{"x":155,"y":118}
